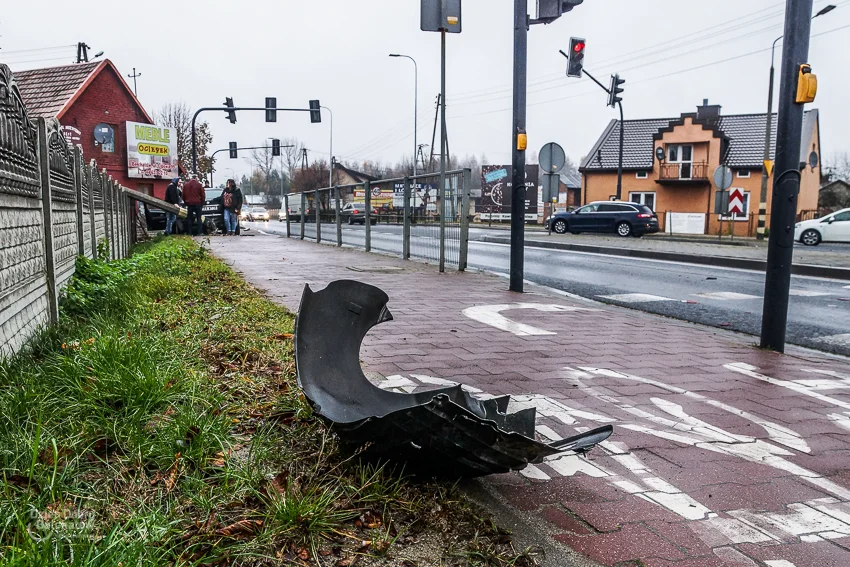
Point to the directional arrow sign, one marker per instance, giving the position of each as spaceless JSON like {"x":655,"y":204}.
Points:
{"x":736,"y":202}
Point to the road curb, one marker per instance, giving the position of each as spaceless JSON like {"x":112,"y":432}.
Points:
{"x":719,"y":261}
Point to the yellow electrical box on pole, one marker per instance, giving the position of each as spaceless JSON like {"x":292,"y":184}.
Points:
{"x":807,"y":84}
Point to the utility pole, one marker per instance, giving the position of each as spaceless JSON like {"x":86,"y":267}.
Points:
{"x":786,"y":186}
{"x":135,"y":87}
{"x":520,"y":141}
{"x":434,"y":134}
{"x":443,"y":145}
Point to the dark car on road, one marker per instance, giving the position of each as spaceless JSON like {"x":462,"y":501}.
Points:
{"x":616,"y":217}
{"x":155,"y":219}
{"x":355,"y":213}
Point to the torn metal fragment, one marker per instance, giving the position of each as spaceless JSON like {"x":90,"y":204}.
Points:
{"x":444,"y":431}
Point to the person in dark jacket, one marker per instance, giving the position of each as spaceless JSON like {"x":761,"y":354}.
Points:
{"x":172,"y":196}
{"x":231,"y":202}
{"x":194,"y":196}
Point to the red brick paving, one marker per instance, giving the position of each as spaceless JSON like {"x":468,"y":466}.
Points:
{"x":659,"y":497}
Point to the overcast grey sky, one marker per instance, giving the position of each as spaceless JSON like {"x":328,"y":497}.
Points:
{"x":337,"y":51}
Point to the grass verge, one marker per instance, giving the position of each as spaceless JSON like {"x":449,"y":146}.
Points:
{"x":159,"y":423}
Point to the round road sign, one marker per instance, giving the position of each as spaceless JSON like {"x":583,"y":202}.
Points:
{"x":723,"y":177}
{"x":552,"y":158}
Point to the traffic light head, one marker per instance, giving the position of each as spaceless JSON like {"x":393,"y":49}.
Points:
{"x":576,"y":57}
{"x":614,"y":90}
{"x":275,"y":147}
{"x":233,"y":150}
{"x":231,"y":114}
{"x":271,"y":103}
{"x":315,"y":112}
{"x":550,"y":10}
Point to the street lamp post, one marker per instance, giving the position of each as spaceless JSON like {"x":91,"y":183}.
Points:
{"x":765,"y":175}
{"x":415,"y":107}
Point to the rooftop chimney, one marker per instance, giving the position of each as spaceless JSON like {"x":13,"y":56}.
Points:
{"x":708,"y":111}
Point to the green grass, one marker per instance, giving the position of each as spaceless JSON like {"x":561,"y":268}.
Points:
{"x":159,"y":423}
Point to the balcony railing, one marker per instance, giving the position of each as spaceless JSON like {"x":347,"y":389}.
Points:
{"x":683,"y":172}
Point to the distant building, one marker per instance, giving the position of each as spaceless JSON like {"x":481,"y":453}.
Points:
{"x":679,"y":187}
{"x":93,"y":104}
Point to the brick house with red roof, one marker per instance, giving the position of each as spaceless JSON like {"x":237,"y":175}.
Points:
{"x":82,"y":97}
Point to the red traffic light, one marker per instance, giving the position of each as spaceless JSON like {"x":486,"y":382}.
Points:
{"x":578,"y":47}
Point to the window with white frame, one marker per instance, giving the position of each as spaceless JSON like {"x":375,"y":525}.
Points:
{"x":643,"y":198}
{"x":683,"y":155}
{"x":743,"y":173}
{"x":641,"y":175}
{"x":745,"y":215}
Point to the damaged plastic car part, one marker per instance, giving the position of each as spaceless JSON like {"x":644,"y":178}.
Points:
{"x":444,"y":431}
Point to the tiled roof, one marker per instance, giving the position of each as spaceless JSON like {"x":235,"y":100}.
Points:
{"x":745,"y":133}
{"x":47,"y":91}
{"x":572,"y":179}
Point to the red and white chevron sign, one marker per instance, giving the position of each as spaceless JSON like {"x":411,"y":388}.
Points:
{"x":736,"y":202}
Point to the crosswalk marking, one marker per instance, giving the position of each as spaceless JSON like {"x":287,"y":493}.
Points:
{"x":635,"y":298}
{"x":837,"y":340}
{"x":726,"y":295}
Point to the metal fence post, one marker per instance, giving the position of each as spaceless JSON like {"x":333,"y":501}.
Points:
{"x":442,"y":213}
{"x":78,"y":189}
{"x":286,"y":208}
{"x":405,"y":254}
{"x":466,"y":187}
{"x":338,"y":218}
{"x":318,"y":201}
{"x":47,"y":218}
{"x":368,"y":192}
{"x":303,"y":212}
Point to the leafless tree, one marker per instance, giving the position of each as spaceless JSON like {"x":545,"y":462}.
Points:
{"x":178,"y":116}
{"x":836,"y":167}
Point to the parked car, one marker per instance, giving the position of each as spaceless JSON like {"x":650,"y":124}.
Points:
{"x":355,"y":213}
{"x":256,"y":214}
{"x":617,"y":217}
{"x":834,"y":227}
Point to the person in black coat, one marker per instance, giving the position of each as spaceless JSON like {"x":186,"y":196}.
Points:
{"x":172,"y":196}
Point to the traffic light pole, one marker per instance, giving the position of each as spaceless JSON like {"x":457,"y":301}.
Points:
{"x":622,"y":132}
{"x":227,"y":109}
{"x":212,"y":157}
{"x":795,"y":50}
{"x":517,"y":268}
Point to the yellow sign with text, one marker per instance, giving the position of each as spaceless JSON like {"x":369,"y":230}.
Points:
{"x":153,"y":150}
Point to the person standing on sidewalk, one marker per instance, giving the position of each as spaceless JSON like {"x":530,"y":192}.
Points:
{"x":231,"y":200}
{"x":194,"y":196}
{"x":172,"y":197}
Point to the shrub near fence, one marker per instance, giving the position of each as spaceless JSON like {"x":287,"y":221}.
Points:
{"x":53,"y":208}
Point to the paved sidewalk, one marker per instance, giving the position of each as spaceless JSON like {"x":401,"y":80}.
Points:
{"x":722,"y":454}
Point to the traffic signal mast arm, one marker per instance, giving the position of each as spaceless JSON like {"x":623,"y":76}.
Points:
{"x":229,"y":109}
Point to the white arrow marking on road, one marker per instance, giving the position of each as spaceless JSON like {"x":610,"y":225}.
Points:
{"x":725,"y":295}
{"x":492,"y":315}
{"x":635,"y":298}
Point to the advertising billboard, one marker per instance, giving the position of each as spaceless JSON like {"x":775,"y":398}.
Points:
{"x":151,"y":151}
{"x":497,"y":192}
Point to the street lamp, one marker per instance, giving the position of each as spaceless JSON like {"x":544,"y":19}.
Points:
{"x":415,"y":105}
{"x":767,"y":131}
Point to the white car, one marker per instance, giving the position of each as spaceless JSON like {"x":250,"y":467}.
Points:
{"x":257,"y":214}
{"x":831,"y":228}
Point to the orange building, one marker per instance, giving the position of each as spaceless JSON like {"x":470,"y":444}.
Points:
{"x":679,"y":186}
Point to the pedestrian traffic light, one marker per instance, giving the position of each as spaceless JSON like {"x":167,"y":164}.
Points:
{"x":233,"y":150}
{"x":231,"y":114}
{"x":575,"y":63}
{"x":271,"y":103}
{"x":275,"y":147}
{"x":315,"y":112}
{"x":615,"y":90}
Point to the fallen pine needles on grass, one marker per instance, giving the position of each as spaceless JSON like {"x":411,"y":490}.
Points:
{"x":159,"y":423}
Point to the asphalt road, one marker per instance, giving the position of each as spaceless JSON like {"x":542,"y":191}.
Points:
{"x":819,"y":312}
